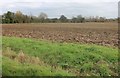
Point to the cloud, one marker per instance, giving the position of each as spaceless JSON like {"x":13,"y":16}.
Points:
{"x":78,"y":1}
{"x":55,"y":8}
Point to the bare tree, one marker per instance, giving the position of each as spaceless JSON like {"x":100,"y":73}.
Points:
{"x":43,"y":16}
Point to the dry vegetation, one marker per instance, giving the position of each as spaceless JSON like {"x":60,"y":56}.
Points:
{"x":96,"y":33}
{"x":22,"y":57}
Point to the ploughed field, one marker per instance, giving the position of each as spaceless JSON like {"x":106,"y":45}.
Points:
{"x":93,"y":33}
{"x":58,"y":49}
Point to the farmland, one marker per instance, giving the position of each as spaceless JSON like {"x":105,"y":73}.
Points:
{"x":93,"y":33}
{"x":60,"y":49}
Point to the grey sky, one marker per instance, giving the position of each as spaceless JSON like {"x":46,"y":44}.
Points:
{"x":119,"y":9}
{"x":70,"y":8}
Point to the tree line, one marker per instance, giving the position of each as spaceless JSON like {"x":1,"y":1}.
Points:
{"x":19,"y":17}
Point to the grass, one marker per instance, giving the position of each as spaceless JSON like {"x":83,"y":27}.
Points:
{"x":14,"y":68}
{"x":78,"y":59}
{"x":23,"y":65}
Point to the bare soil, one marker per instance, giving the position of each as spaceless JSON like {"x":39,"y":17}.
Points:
{"x":94,"y":33}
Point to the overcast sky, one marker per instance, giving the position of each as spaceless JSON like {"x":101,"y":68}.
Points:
{"x":55,"y":8}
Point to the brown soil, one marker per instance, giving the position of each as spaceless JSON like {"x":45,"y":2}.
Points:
{"x":97,"y":33}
